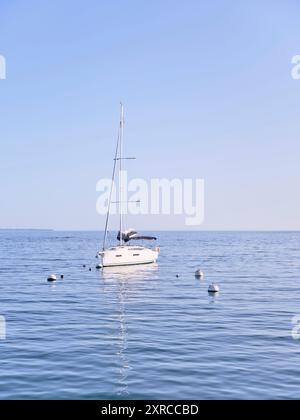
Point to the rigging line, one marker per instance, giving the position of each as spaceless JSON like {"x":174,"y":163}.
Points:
{"x":129,"y":158}
{"x":111,"y":190}
{"x":122,"y":202}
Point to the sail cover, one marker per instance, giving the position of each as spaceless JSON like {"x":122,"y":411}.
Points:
{"x":131,"y":234}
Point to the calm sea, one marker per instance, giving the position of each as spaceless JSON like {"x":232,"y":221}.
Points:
{"x":142,"y":332}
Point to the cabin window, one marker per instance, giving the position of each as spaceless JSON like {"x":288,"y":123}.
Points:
{"x":118,"y":256}
{"x":136,"y":255}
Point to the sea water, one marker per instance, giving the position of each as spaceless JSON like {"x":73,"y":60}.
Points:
{"x":150,"y":332}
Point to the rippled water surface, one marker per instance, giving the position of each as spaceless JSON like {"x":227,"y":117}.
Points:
{"x":144,"y":333}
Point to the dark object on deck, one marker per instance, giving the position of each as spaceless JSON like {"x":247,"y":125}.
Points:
{"x":132,"y":235}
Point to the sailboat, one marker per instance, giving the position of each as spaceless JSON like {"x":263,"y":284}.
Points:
{"x":124,"y":253}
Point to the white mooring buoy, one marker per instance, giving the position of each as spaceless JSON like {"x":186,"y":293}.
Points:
{"x":199,"y":274}
{"x":52,"y":278}
{"x":214,"y":288}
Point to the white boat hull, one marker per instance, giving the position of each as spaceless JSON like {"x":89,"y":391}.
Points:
{"x":128,"y":255}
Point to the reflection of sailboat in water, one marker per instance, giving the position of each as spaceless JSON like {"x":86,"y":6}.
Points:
{"x":130,"y":272}
{"x":124,"y":362}
{"x":125,"y":282}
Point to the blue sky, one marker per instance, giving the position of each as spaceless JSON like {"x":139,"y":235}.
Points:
{"x":208,"y":92}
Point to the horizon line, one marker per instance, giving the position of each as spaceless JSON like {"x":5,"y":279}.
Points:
{"x":154,"y":230}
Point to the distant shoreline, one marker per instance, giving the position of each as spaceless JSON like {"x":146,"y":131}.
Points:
{"x":26,"y":230}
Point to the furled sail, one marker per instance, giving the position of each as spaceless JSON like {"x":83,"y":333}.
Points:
{"x":131,"y":234}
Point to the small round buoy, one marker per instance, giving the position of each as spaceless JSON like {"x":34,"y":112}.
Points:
{"x":62,"y":277}
{"x":84,"y":266}
{"x":213,"y":288}
{"x":90,"y":269}
{"x":199,"y":274}
{"x":52,"y":278}
{"x":177,"y":276}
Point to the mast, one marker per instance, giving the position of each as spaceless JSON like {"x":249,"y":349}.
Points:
{"x":120,"y":176}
